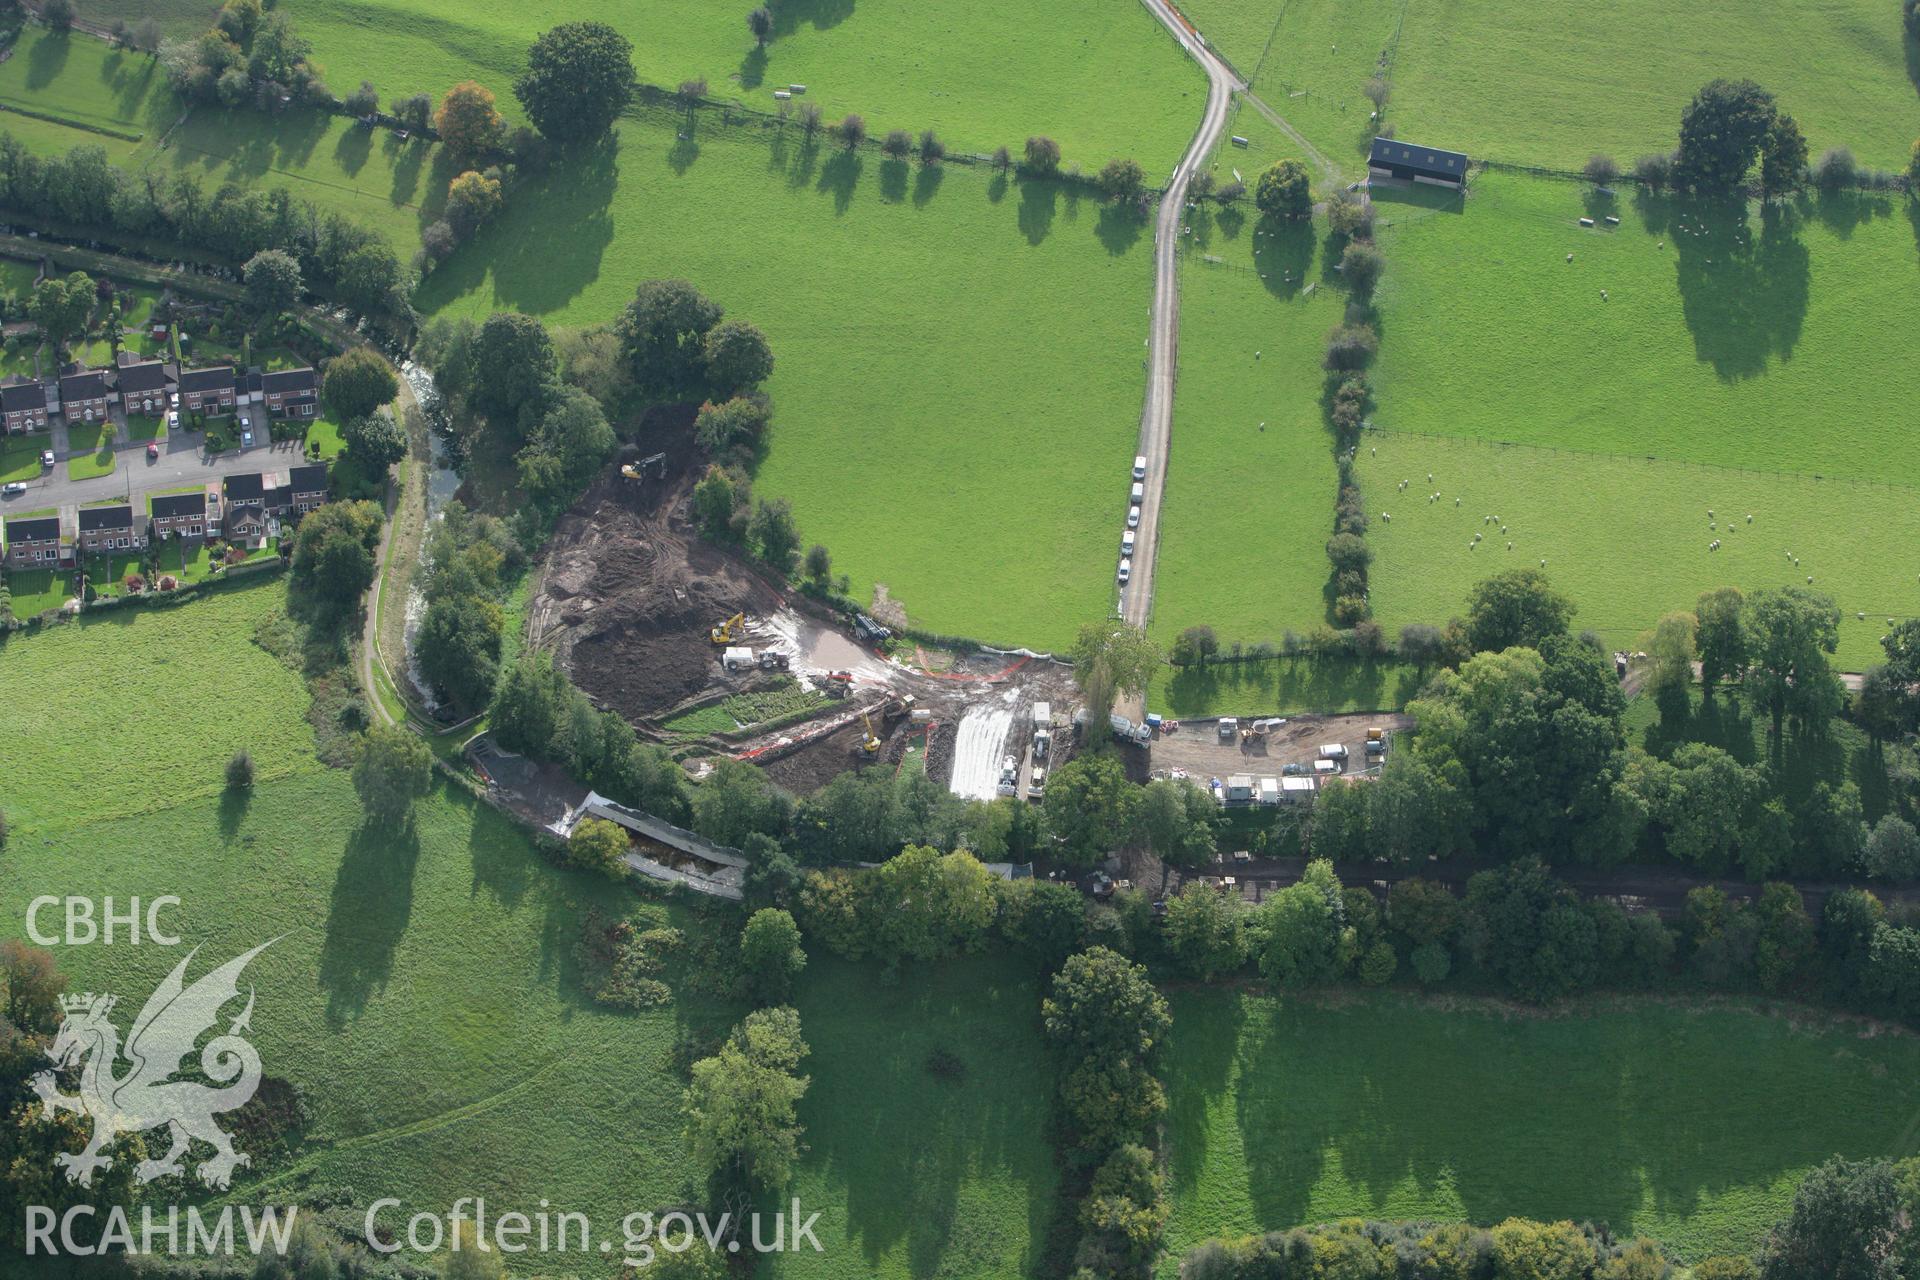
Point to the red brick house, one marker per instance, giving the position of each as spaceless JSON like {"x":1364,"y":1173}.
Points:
{"x":83,"y":396}
{"x":23,"y":406}
{"x":180,"y":515}
{"x":33,"y":542}
{"x":207,"y":391}
{"x":144,"y":387}
{"x":291,"y":393}
{"x":308,"y":486}
{"x":109,"y":528}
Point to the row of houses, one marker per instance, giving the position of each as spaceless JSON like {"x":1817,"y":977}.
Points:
{"x":152,"y":387}
{"x":241,"y":508}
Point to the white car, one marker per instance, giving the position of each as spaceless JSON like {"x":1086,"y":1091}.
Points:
{"x":46,"y":457}
{"x":1140,"y":467}
{"x":1126,"y":570}
{"x":14,"y":488}
{"x":1133,"y":518}
{"x":173,"y":419}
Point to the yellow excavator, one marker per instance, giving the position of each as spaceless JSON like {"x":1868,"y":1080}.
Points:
{"x":729,"y":631}
{"x":870,"y":745}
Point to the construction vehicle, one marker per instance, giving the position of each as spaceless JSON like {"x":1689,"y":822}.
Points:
{"x":837,"y":684}
{"x":773,"y":660}
{"x":893,"y":708}
{"x":870,"y":745}
{"x":869,"y":631}
{"x":655,"y":462}
{"x":1376,"y":742}
{"x":729,"y":631}
{"x":738,"y":658}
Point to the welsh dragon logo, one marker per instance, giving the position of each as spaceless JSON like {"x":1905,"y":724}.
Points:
{"x":145,"y":1096}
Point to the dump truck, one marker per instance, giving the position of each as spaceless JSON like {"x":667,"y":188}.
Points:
{"x":729,"y":631}
{"x":1376,"y":742}
{"x":894,"y":708}
{"x":738,"y":658}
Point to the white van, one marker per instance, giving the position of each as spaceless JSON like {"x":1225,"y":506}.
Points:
{"x":1139,"y":492}
{"x":1140,"y":467}
{"x":1126,"y":571}
{"x":1126,"y":543}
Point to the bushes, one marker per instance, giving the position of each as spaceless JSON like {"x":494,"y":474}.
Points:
{"x":1351,"y":347}
{"x":1285,"y":190}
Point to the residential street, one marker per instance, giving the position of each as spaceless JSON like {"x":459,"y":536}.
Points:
{"x":181,"y":462}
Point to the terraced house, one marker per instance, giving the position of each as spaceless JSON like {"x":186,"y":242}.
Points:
{"x":84,"y":395}
{"x":33,"y":542}
{"x":178,"y":515}
{"x":109,"y":528}
{"x":208,"y":391}
{"x":23,"y":406}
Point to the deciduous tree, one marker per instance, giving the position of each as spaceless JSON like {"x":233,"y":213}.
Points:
{"x":579,"y":78}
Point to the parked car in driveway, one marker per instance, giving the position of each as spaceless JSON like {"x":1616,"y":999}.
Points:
{"x":246,"y":439}
{"x":46,"y":457}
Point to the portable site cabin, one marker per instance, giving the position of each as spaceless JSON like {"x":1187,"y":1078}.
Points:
{"x":1294,"y":790}
{"x":1270,"y":792}
{"x":1411,"y":162}
{"x":1239,"y":789}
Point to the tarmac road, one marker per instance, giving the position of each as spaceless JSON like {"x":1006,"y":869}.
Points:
{"x":1156,"y":414}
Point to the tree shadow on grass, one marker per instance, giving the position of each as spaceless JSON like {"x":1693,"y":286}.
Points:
{"x":1283,"y":254}
{"x":409,"y":161}
{"x":997,"y":187}
{"x":1039,"y":199}
{"x":822,"y":14}
{"x":1288,"y":685}
{"x":926,"y":184}
{"x":1842,"y":212}
{"x":502,"y":863}
{"x":1743,"y":296}
{"x":838,"y":177}
{"x":367,"y":915}
{"x":1119,"y":226}
{"x":893,"y":180}
{"x":48,"y":59}
{"x":355,"y":145}
{"x":753,"y":67}
{"x":234,"y":803}
{"x":533,"y":270}
{"x":806,"y":163}
{"x":1199,"y":1055}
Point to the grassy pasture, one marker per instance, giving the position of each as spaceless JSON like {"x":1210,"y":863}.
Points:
{"x":74,"y":693}
{"x":914,"y":1173}
{"x":1101,"y":79}
{"x":1283,"y":686}
{"x":958,"y":387}
{"x":1627,"y":538}
{"x":1728,"y":335}
{"x":1691,"y":1125}
{"x":85,"y":82}
{"x":1250,"y":482}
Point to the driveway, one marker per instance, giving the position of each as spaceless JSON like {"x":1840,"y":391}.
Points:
{"x":181,"y":462}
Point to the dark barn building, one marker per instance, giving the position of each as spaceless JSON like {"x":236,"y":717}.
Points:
{"x":1411,"y":162}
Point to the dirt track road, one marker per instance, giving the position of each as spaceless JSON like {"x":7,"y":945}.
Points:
{"x":1156,"y":414}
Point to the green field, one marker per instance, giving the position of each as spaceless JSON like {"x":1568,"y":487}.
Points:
{"x":959,"y":355}
{"x":1627,"y":538}
{"x":1102,"y":79}
{"x":20,"y":456}
{"x":87,"y":83}
{"x":916,"y":1174}
{"x":34,"y":591}
{"x":1727,"y":335}
{"x":1548,"y":84}
{"x":1691,"y":1125}
{"x":70,"y":693}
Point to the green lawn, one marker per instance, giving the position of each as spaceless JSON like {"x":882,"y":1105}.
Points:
{"x":1727,"y":335}
{"x":20,"y":456}
{"x":115,"y":695}
{"x":325,"y":432}
{"x":92,"y":450}
{"x":1103,"y":79}
{"x":188,"y":565}
{"x":1628,"y":539}
{"x":1548,"y":84}
{"x":34,"y":591}
{"x":1251,"y":482}
{"x":84,"y":81}
{"x":959,"y":431}
{"x":1688,"y":1125}
{"x":140,"y":428}
{"x":1283,"y":686}
{"x":915,"y":1174}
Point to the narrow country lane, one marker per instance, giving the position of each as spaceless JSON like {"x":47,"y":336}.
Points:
{"x":1156,"y":414}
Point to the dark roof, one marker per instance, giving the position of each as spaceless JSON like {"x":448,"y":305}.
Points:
{"x":245,"y":487}
{"x":151,"y":376}
{"x":17,"y":397}
{"x":286,"y":380}
{"x":294,"y":402}
{"x":1391,"y":151}
{"x":251,"y":381}
{"x":88,"y":384}
{"x":118,"y":516}
{"x":33,"y":529}
{"x":277,"y":497}
{"x":207,"y":379}
{"x":307,"y":479}
{"x":168,"y":505}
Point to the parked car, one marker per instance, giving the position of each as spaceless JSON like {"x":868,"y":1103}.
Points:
{"x":1126,"y":571}
{"x":246,"y":439}
{"x":46,"y":457}
{"x":1133,"y":518}
{"x":14,"y":488}
{"x":173,"y":419}
{"x":1140,"y":467}
{"x":153,"y":449}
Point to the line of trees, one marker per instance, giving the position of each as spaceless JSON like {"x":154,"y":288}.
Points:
{"x":81,"y":187}
{"x":1850,"y":1220}
{"x":251,"y":53}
